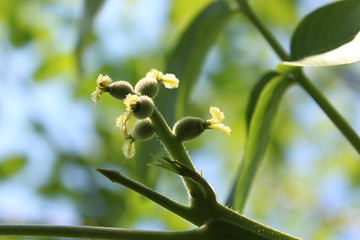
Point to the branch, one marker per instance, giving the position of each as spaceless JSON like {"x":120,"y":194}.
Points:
{"x":87,"y":232}
{"x":181,"y":210}
{"x":329,"y":110}
{"x":200,"y":214}
{"x":245,"y":8}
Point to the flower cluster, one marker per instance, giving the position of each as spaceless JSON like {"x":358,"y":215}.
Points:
{"x":139,"y":104}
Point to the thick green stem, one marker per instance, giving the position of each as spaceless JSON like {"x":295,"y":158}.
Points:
{"x":329,"y":110}
{"x":208,"y":190}
{"x":175,"y":147}
{"x":232,"y":225}
{"x":177,"y":151}
{"x":85,"y":232}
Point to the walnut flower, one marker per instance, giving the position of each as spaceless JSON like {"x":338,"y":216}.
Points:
{"x":103,"y":83}
{"x":215,"y":121}
{"x":169,"y":80}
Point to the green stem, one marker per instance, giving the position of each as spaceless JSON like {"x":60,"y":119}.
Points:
{"x":175,"y":147}
{"x":245,"y":8}
{"x":209,"y":191}
{"x":232,"y":225}
{"x":177,"y":151}
{"x":86,"y":232}
{"x":330,"y":111}
{"x":163,"y":201}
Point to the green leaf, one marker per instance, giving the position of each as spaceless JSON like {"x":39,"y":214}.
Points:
{"x":181,"y":15}
{"x":188,"y":57}
{"x":255,"y":95}
{"x":328,"y":36}
{"x":11,"y":166}
{"x":264,"y":103}
{"x":277,"y":13}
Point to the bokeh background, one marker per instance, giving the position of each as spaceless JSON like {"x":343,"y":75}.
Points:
{"x":52,"y":136}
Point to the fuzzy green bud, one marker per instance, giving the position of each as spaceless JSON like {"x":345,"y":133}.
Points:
{"x":188,"y":128}
{"x":147,"y":86}
{"x":143,"y":108}
{"x":119,"y":89}
{"x":142,"y":130}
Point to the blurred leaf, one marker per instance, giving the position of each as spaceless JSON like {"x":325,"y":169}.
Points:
{"x":328,"y":36}
{"x":11,"y":166}
{"x":181,"y":14}
{"x":53,"y":185}
{"x":255,"y":95}
{"x":60,"y":64}
{"x":91,"y":7}
{"x":261,"y":118}
{"x":19,"y":32}
{"x":188,"y":57}
{"x":280,"y":12}
{"x":352,"y":169}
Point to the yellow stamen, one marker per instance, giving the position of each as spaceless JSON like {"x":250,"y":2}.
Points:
{"x":153,"y":73}
{"x":217,"y":115}
{"x":129,"y":148}
{"x":121,"y":122}
{"x":102,"y":83}
{"x":130,"y":100}
{"x":222,"y":128}
{"x":215,"y":121}
{"x":169,"y":80}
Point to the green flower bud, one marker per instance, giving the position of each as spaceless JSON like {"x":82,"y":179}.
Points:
{"x":188,"y":128}
{"x":142,"y":130}
{"x":119,"y":89}
{"x":147,"y":86}
{"x":143,"y":108}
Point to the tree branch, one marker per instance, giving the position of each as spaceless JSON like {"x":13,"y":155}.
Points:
{"x":181,"y":210}
{"x":87,"y":232}
{"x":329,"y":110}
